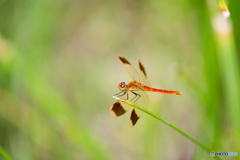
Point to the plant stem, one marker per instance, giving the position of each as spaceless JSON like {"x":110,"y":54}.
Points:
{"x":170,"y":125}
{"x":223,"y":7}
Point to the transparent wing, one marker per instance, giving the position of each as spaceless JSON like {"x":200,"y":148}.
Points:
{"x":142,"y":101}
{"x":131,"y":70}
{"x":143,"y":76}
{"x":119,"y":108}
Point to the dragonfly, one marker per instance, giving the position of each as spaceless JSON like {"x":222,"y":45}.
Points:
{"x":137,"y":88}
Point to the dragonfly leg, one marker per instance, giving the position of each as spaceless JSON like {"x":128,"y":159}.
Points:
{"x":118,"y":93}
{"x":137,"y":98}
{"x":122,"y":95}
{"x":136,"y":95}
{"x":127,"y":97}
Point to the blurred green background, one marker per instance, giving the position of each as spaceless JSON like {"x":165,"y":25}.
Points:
{"x":59,"y":70}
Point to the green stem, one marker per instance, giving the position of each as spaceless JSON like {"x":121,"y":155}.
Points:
{"x":170,"y":125}
{"x":223,"y":7}
{"x":4,"y":154}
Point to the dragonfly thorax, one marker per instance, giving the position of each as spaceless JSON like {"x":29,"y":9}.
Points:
{"x":122,"y":86}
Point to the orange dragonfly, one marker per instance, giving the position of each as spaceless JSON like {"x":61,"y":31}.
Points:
{"x":137,"y":87}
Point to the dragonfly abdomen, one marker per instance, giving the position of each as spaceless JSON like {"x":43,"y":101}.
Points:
{"x":146,"y":88}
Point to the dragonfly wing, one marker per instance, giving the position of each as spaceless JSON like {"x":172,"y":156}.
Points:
{"x":142,"y":102}
{"x":131,"y":70}
{"x":143,"y":76}
{"x":119,"y":108}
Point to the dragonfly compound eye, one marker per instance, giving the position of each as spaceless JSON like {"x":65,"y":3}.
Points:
{"x":123,"y":84}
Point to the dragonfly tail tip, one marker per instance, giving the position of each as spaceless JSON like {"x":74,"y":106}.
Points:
{"x":179,"y":93}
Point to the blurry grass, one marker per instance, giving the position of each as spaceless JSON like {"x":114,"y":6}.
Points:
{"x":4,"y":154}
{"x":218,"y":97}
{"x":229,"y":70}
{"x":59,"y":112}
{"x":54,"y":110}
{"x":234,"y":9}
{"x":33,"y":47}
{"x":223,"y":7}
{"x":209,"y":96}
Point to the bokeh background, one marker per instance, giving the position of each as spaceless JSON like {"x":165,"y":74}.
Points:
{"x":59,"y":70}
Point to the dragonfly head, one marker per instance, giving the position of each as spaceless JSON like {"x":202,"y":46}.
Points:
{"x":122,"y":86}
